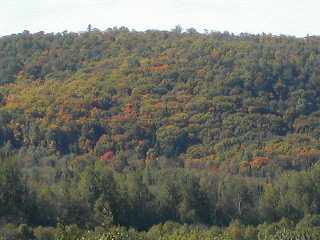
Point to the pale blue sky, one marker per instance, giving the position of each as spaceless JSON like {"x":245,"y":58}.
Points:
{"x":292,"y":17}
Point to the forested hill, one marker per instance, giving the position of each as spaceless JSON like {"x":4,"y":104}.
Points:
{"x":157,"y":126}
{"x":203,"y":98}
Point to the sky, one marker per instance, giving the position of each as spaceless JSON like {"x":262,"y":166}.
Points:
{"x":290,"y":17}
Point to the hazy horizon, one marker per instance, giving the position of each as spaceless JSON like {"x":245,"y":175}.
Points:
{"x":286,"y":17}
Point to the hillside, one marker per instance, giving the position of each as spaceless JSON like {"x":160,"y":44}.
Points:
{"x":139,"y":128}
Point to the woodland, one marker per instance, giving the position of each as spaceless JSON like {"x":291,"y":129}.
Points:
{"x":171,"y":135}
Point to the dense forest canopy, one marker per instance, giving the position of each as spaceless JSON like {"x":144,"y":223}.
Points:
{"x":176,"y":134}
